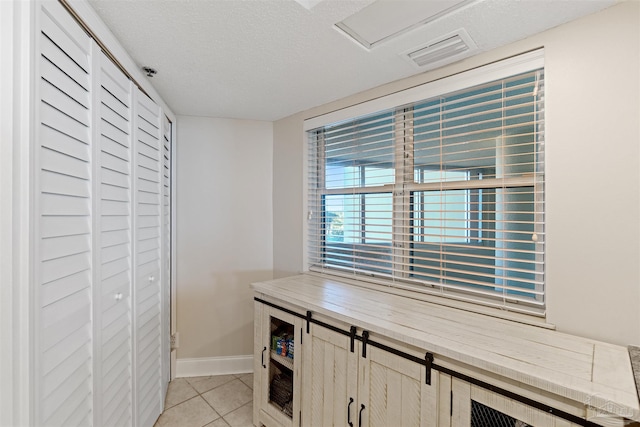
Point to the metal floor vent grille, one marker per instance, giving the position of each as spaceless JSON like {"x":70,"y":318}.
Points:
{"x":483,"y":416}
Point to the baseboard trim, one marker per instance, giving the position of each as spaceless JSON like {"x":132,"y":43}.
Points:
{"x":205,"y":366}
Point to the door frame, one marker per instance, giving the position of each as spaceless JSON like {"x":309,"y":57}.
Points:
{"x":17,"y":82}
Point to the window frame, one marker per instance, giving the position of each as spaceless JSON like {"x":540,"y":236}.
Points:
{"x":403,"y":189}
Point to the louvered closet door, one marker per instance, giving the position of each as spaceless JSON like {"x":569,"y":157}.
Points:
{"x":166,"y":250}
{"x":147,"y":260}
{"x":112,"y":296}
{"x":62,"y":223}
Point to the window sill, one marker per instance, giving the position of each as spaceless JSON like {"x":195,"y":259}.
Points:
{"x":413,"y":292}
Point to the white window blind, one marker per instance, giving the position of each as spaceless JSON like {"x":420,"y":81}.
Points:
{"x":443,"y":195}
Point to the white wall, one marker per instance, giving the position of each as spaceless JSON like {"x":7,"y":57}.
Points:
{"x":224,"y":232}
{"x":287,"y":197}
{"x":592,"y":69}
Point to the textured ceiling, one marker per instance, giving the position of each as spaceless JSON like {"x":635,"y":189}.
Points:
{"x":267,"y":59}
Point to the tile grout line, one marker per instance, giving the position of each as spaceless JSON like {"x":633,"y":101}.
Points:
{"x":207,"y":402}
{"x":200,"y":394}
{"x":218,"y":386}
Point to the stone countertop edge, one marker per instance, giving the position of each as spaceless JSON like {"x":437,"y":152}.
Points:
{"x":634,"y":355}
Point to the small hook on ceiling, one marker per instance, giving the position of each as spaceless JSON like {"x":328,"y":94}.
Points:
{"x":150,"y":71}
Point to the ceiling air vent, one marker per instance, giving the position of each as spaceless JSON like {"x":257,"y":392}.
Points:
{"x":384,"y":20}
{"x":441,"y":51}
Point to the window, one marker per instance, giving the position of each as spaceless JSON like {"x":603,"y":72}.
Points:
{"x":441,"y":195}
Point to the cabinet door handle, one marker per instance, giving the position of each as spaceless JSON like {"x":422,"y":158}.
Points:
{"x":349,"y":412}
{"x":360,"y":415}
{"x":263,"y":365}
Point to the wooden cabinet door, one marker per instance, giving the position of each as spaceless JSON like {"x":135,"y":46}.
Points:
{"x":258,"y":359}
{"x":393,"y":392}
{"x":274,"y":365}
{"x":476,"y":406}
{"x":330,"y":376}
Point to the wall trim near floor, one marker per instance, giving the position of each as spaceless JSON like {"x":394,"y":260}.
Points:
{"x":223,"y":365}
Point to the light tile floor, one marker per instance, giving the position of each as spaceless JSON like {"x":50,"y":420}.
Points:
{"x":218,"y":401}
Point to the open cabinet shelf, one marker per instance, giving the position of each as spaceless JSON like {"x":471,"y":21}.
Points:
{"x":284,"y":361}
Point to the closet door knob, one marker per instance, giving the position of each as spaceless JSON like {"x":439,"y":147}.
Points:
{"x":151,"y":279}
{"x":118,"y":296}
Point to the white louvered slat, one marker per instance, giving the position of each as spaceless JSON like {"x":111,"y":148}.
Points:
{"x":149,"y":257}
{"x":114,"y":253}
{"x":60,"y":142}
{"x":115,"y":193}
{"x":147,"y":175}
{"x":52,"y":181}
{"x":148,"y":111}
{"x":54,"y":53}
{"x":149,"y":221}
{"x":119,"y":408}
{"x":63,"y":226}
{"x":111,"y":223}
{"x":115,"y":178}
{"x":112,"y":238}
{"x":151,"y":213}
{"x":56,"y":378}
{"x":147,"y":144}
{"x":111,"y":208}
{"x":114,"y":163}
{"x":150,"y":152}
{"x":57,"y":247}
{"x":62,"y":268}
{"x":57,"y":98}
{"x":55,"y":117}
{"x":147,"y":245}
{"x":64,"y":330}
{"x":147,"y":186}
{"x":148,"y":198}
{"x":147,"y":162}
{"x":62,"y":288}
{"x":111,"y":131}
{"x":64,"y":163}
{"x":148,"y":140}
{"x":60,"y":28}
{"x":111,"y":98}
{"x":77,"y":406}
{"x":57,"y":78}
{"x":64,"y":245}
